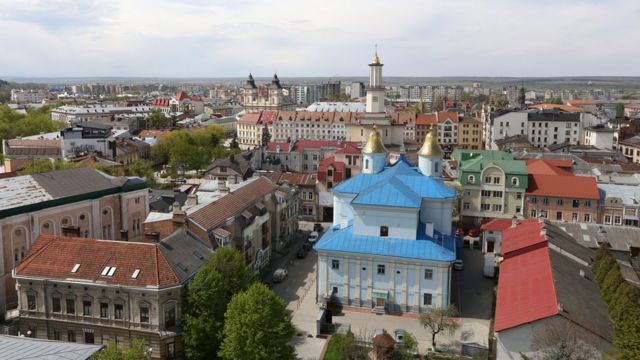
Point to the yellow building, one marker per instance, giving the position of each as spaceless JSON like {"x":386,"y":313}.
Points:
{"x":470,"y":134}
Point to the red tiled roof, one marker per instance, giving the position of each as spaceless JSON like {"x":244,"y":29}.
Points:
{"x":312,"y":144}
{"x":181,"y":96}
{"x":272,"y":146}
{"x":268,"y":117}
{"x":582,"y":102}
{"x":526,"y":290}
{"x":549,"y":167}
{"x":444,"y":115}
{"x":525,"y":235}
{"x":426,"y":119}
{"x":160,"y":102}
{"x":496,"y":225}
{"x":53,"y":257}
{"x":250,"y":118}
{"x":349,"y":149}
{"x":331,"y":161}
{"x":297,"y":178}
{"x":579,"y":187}
{"x":146,"y":134}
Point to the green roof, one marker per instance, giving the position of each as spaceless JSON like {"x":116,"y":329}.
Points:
{"x":472,"y":162}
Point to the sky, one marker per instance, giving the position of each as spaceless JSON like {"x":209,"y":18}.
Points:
{"x":199,"y":38}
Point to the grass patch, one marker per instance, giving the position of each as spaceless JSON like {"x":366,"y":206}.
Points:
{"x":338,"y":346}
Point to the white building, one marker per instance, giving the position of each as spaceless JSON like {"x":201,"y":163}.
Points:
{"x":20,"y":96}
{"x":389,"y":248}
{"x":601,"y":137}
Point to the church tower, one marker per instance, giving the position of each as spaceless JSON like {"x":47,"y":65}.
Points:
{"x":374,"y":155}
{"x":375,"y":92}
{"x":430,"y":155}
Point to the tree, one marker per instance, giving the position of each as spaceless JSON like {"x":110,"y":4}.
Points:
{"x":224,"y":275}
{"x":157,"y":120}
{"x":266,"y":136}
{"x":610,"y":283}
{"x":143,"y":169}
{"x":603,"y":268}
{"x":619,"y":110}
{"x":522,"y":95}
{"x":408,"y":348}
{"x":257,"y":326}
{"x":439,"y":319}
{"x":234,"y":142}
{"x":135,"y":351}
{"x":39,"y":166}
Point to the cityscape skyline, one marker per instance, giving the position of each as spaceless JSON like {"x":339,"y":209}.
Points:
{"x":201,"y":39}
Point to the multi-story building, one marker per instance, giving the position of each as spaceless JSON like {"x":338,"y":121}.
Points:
{"x":630,"y":148}
{"x":601,"y":137}
{"x":118,"y":117}
{"x":343,"y":164}
{"x":20,"y":96}
{"x":22,"y":152}
{"x":447,"y":129}
{"x":470,"y":134}
{"x":308,"y":194}
{"x":619,"y":205}
{"x":389,"y":249}
{"x":356,"y":91}
{"x":179,"y":104}
{"x":252,"y":127}
{"x":493,"y":184}
{"x":301,"y":156}
{"x":543,"y":127}
{"x":87,"y":137}
{"x":108,"y":292}
{"x":270,"y":97}
{"x":233,"y":169}
{"x":81,"y":202}
{"x":554,"y":192}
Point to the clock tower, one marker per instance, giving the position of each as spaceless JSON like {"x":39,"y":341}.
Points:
{"x":375,"y":91}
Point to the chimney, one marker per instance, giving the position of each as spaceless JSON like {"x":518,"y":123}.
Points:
{"x":222,"y":185}
{"x":514,"y":221}
{"x":179,"y":216}
{"x":192,"y":200}
{"x":152,"y":237}
{"x":428,"y":229}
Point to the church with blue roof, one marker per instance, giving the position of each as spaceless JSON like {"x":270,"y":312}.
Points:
{"x":391,"y":245}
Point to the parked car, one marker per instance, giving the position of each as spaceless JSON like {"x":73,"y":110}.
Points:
{"x":302,"y":253}
{"x":398,"y":335}
{"x":279,"y":275}
{"x":458,"y":264}
{"x":317,"y":227}
{"x":313,"y":237}
{"x":474,"y":232}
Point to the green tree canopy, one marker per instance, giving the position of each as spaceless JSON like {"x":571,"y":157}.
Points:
{"x":157,"y":120}
{"x":135,"y":351}
{"x":36,"y":121}
{"x":257,"y":326}
{"x":190,"y":150}
{"x":224,"y":275}
{"x":39,"y":166}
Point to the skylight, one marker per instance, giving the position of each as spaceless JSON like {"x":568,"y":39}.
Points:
{"x":111,"y":271}
{"x":75,"y":268}
{"x":108,"y":271}
{"x":105,"y":271}
{"x":135,"y":274}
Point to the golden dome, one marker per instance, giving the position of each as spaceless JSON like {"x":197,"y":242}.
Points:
{"x":375,"y":60}
{"x":431,"y":146}
{"x":374,"y":144}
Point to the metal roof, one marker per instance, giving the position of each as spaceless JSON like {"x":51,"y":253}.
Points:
{"x":16,"y":347}
{"x":424,"y":248}
{"x":400,"y":185}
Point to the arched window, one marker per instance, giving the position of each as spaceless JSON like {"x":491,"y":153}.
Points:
{"x":514,"y":181}
{"x":471,"y":179}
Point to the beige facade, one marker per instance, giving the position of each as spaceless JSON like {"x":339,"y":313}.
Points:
{"x":470,"y":134}
{"x":491,"y":197}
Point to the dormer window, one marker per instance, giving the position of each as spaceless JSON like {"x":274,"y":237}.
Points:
{"x":471,"y":178}
{"x":514,"y":181}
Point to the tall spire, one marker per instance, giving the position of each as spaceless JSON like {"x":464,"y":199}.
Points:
{"x":375,"y":60}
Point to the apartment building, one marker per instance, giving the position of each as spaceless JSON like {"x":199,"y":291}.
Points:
{"x":108,"y":292}
{"x":619,"y":205}
{"x":118,"y":117}
{"x":21,"y":96}
{"x":307,"y":191}
{"x":630,"y":148}
{"x":555,"y":193}
{"x":301,"y":156}
{"x":493,"y":184}
{"x":470,"y":134}
{"x":601,"y":137}
{"x":81,"y":202}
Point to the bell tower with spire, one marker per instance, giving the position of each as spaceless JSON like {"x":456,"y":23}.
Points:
{"x":375,"y":91}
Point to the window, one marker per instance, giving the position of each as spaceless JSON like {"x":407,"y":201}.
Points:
{"x":381,"y":269}
{"x":559,"y":215}
{"x":617,"y":220}
{"x":88,"y":338}
{"x":56,"y":334}
{"x":514,"y":181}
{"x":587,"y":203}
{"x":576,"y":203}
{"x":560,"y":202}
{"x":607,"y":219}
{"x":170,"y":316}
{"x":117,"y":311}
{"x":485,"y":207}
{"x":428,"y":274}
{"x":384,"y":231}
{"x":545,"y":201}
{"x":466,"y":206}
{"x":86,"y":308}
{"x":427,"y":299}
{"x":485,"y":193}
{"x":104,"y":310}
{"x":497,"y":194}
{"x":471,"y":179}
{"x":329,"y":172}
{"x":574,"y":217}
{"x":71,"y":336}
{"x":587,"y":217}
{"x":171,"y":351}
{"x":144,"y":314}
{"x":31,"y":302}
{"x":497,"y":207}
{"x":534,"y":199}
{"x":335,"y":264}
{"x":55,"y":304}
{"x":496,"y":180}
{"x":71,"y":306}
{"x":518,"y":209}
{"x":534,"y":213}
{"x":487,"y":179}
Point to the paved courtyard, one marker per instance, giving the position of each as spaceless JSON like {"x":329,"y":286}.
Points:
{"x":472,"y":293}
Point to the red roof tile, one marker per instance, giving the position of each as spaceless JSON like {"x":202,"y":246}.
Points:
{"x":250,"y":118}
{"x":578,"y":187}
{"x":54,"y":257}
{"x":273,"y":146}
{"x":496,"y":225}
{"x":181,"y":96}
{"x":525,"y":235}
{"x":426,"y":119}
{"x":549,"y":167}
{"x":349,"y":149}
{"x":526,"y":291}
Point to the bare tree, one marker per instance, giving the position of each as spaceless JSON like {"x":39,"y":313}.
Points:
{"x":439,"y":319}
{"x":562,"y":340}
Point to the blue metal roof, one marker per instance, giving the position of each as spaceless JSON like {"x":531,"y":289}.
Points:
{"x":403,"y":180}
{"x":425,"y":248}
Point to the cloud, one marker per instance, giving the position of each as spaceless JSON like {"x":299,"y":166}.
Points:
{"x":198,"y":38}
